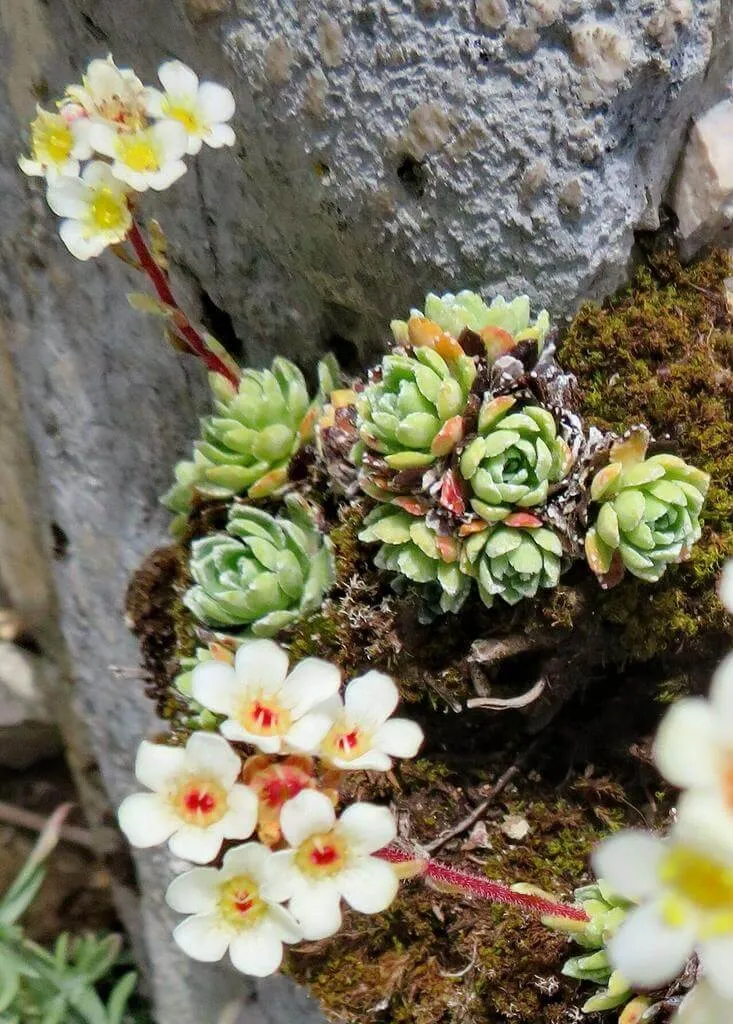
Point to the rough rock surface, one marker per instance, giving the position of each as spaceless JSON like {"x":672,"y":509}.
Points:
{"x":385,"y":148}
{"x":703,"y":197}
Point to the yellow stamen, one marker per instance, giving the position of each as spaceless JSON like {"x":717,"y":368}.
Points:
{"x":51,"y":139}
{"x":698,"y":879}
{"x":137,"y":152}
{"x":187,"y":117}
{"x":322,"y":856}
{"x":108,"y":211}
{"x":239,"y":902}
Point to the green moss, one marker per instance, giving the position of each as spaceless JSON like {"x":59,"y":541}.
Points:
{"x":661,"y":353}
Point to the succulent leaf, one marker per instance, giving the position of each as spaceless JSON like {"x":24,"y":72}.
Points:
{"x":512,"y":562}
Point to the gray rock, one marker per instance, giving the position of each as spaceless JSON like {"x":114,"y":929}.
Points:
{"x":27,"y":732}
{"x":384,"y":149}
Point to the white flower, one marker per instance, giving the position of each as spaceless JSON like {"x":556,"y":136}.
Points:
{"x":363,"y":735}
{"x":202,"y":108}
{"x":726,"y":585}
{"x":684,"y":886}
{"x":146,"y":158}
{"x":703,"y":1005}
{"x":233,"y":908}
{"x":693,"y":748}
{"x":110,"y":94}
{"x":196,"y":802}
{"x":95,"y":207}
{"x":264,"y":705}
{"x":57,"y":146}
{"x":332,"y":859}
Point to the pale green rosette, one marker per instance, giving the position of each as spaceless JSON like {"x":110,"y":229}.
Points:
{"x":515,"y":457}
{"x":512,"y":562}
{"x":467,"y":309}
{"x":410,"y":548}
{"x":649,"y":513}
{"x":264,"y":573}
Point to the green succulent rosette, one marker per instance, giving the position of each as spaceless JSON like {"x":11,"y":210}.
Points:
{"x":411,"y":412}
{"x":649,"y":513}
{"x":410,"y":548}
{"x":247,"y":445}
{"x":513,"y":559}
{"x":263,"y":573}
{"x":515,"y":457}
{"x":454,"y":313}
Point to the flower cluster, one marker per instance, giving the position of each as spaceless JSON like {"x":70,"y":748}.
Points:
{"x":202,"y":796}
{"x":466,"y":437}
{"x":676,"y":892}
{"x":112,"y":138}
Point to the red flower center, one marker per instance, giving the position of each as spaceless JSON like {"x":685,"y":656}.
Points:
{"x":347,"y":741}
{"x":198,"y":801}
{"x":324,"y":856}
{"x":264,"y":716}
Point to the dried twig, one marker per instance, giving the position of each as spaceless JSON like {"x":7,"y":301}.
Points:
{"x":509,"y":703}
{"x":21,"y":818}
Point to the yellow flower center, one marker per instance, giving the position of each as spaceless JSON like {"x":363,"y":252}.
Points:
{"x":322,"y":856}
{"x":185,"y":114}
{"x":345,"y":741}
{"x":239,"y":902}
{"x":108,"y":211}
{"x":200,"y":801}
{"x":696,"y":879}
{"x":136,"y":152}
{"x":263,"y":716}
{"x":51,"y":139}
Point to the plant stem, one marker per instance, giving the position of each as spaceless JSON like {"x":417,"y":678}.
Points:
{"x":183,"y":325}
{"x":474,"y":885}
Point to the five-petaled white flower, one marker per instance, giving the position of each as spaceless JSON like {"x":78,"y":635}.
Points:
{"x":57,"y":146}
{"x":108,"y":93}
{"x":233,"y":908}
{"x":146,"y":158}
{"x":196,"y":803}
{"x":703,"y":1005}
{"x":362,"y":734}
{"x":96,"y":209}
{"x":684,"y":885}
{"x":203,"y":108}
{"x":264,"y":705}
{"x":693,"y":748}
{"x":332,"y":859}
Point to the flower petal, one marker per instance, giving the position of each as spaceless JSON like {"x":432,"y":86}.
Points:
{"x":199,"y":845}
{"x":370,"y":699}
{"x":704,"y":821}
{"x":220,"y":135}
{"x":156,"y":764}
{"x":703,"y":1005}
{"x":79,"y":243}
{"x":203,"y":937}
{"x":716,"y":959}
{"x":370,"y":886}
{"x":238,"y":734}
{"x":168,"y":173}
{"x":317,"y":909}
{"x":68,"y":197}
{"x":257,"y":951}
{"x":685,"y":745}
{"x":194,"y":892}
{"x":281,"y":877}
{"x":311,"y":682}
{"x":215,"y":102}
{"x":103,"y":138}
{"x":721,"y":693}
{"x":178,"y":79}
{"x":371,"y":761}
{"x":307,"y":733}
{"x":209,"y":753}
{"x":249,"y":859}
{"x":169,"y":139}
{"x":647,"y":951}
{"x":367,"y":827}
{"x":305,"y":815}
{"x":629,"y":863}
{"x":261,"y":664}
{"x":726,"y":585}
{"x":146,"y":820}
{"x":214,"y":684}
{"x":284,"y":924}
{"x":399,"y":737}
{"x":240,"y":820}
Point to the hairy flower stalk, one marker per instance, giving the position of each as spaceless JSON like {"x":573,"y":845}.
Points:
{"x":446,"y":877}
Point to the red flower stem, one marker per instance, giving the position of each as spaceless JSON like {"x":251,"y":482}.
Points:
{"x":482,"y":888}
{"x":183,"y":325}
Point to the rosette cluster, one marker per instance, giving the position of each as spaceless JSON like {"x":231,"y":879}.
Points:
{"x":284,"y":738}
{"x":112,"y":138}
{"x":468,"y":438}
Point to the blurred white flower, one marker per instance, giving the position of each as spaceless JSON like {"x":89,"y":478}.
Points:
{"x":202,"y":108}
{"x":363,"y":735}
{"x":146,"y":158}
{"x":108,"y":93}
{"x":703,"y":1005}
{"x":57,"y":146}
{"x":726,"y":585}
{"x":332,"y":859}
{"x":693,"y":747}
{"x":264,"y":705}
{"x":684,"y":885}
{"x":95,"y":207}
{"x":233,"y":909}
{"x":196,"y":803}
